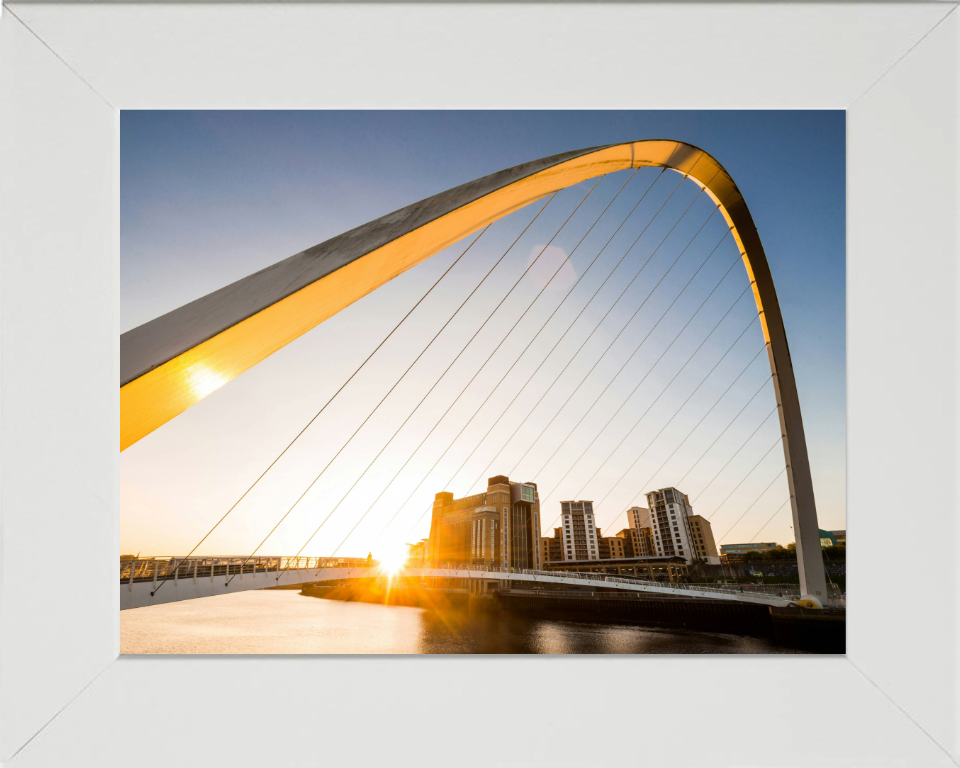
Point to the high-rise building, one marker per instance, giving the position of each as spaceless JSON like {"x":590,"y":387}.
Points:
{"x":641,"y":531}
{"x":639,"y":517}
{"x":608,"y":547}
{"x":670,"y":513}
{"x":579,"y":532}
{"x":500,"y":526}
{"x":701,"y":534}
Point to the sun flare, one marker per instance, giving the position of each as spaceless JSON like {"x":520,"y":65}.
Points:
{"x":393,"y":557}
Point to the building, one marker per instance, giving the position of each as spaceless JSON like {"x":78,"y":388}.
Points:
{"x":840,"y":537}
{"x":500,"y":526}
{"x":631,"y":540}
{"x":670,"y":513}
{"x":610,"y":547}
{"x":653,"y":568}
{"x":639,"y":517}
{"x":733,"y":552}
{"x":416,"y":553}
{"x":637,"y":543}
{"x":642,"y":531}
{"x":701,"y":533}
{"x":579,"y":531}
{"x":551,"y":549}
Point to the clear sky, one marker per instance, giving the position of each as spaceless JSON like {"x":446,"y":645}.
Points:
{"x":209,"y":197}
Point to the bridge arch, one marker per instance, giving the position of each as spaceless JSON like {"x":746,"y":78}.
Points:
{"x":172,"y":362}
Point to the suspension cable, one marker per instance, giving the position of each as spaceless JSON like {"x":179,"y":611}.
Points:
{"x":770,"y":520}
{"x":496,"y":349}
{"x":410,"y":367}
{"x":586,"y":340}
{"x":529,"y":267}
{"x":569,"y":327}
{"x":754,"y":504}
{"x":609,"y":346}
{"x":690,"y":433}
{"x":769,"y":451}
{"x":643,"y":415}
{"x":737,"y":452}
{"x":547,"y":357}
{"x":627,"y":362}
{"x":447,"y":369}
{"x":333,"y":397}
{"x":669,"y":421}
{"x":724,"y":431}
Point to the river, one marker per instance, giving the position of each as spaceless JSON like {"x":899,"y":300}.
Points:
{"x":285,"y":622}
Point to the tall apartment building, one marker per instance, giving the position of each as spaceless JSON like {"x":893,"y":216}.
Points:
{"x":500,"y":526}
{"x":608,"y":548}
{"x":670,"y":513}
{"x":641,"y":531}
{"x":579,"y":531}
{"x":639,"y":517}
{"x":701,"y":533}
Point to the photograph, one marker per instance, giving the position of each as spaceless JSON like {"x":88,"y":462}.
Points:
{"x":404,"y":354}
{"x":482,"y":382}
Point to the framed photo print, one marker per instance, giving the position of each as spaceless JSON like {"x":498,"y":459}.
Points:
{"x":404,"y":367}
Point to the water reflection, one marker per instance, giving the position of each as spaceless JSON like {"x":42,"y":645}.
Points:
{"x":282,"y":622}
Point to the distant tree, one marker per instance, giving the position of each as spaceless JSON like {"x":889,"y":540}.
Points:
{"x":839,"y":552}
{"x":780,"y":554}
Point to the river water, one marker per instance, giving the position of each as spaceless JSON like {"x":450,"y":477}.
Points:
{"x":284,"y":621}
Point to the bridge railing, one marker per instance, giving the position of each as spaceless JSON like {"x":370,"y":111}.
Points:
{"x":745,"y":589}
{"x":173,"y":567}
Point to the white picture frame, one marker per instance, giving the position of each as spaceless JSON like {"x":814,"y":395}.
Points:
{"x":65,"y":696}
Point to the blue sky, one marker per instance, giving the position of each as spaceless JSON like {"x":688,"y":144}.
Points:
{"x":209,"y":197}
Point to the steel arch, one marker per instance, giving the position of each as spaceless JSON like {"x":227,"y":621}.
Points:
{"x":172,"y":362}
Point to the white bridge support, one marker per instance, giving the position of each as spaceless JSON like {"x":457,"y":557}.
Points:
{"x":154,"y":582}
{"x":139,"y":594}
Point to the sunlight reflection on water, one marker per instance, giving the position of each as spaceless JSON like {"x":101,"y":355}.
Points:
{"x":285,"y":622}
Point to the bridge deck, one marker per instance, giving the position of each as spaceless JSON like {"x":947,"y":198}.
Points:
{"x":157,"y":581}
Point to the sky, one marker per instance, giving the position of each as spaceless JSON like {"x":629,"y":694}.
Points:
{"x":612,"y":347}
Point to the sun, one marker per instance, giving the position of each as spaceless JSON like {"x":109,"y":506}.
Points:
{"x":393,"y":557}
